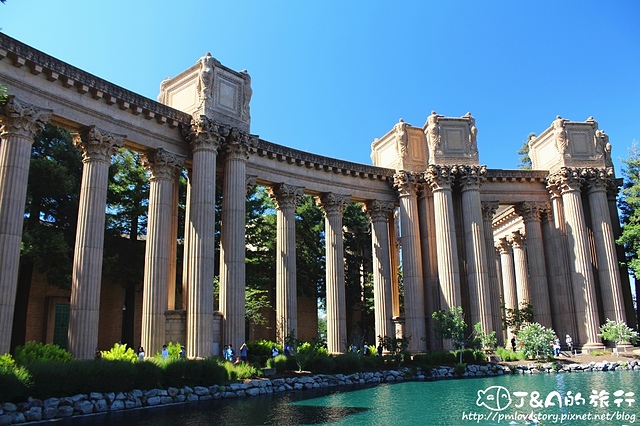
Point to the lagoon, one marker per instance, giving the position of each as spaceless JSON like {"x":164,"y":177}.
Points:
{"x":578,"y":399}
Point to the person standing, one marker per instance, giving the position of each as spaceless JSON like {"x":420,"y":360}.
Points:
{"x":569,"y":341}
{"x":140,"y":353}
{"x":165,"y":352}
{"x":244,"y":352}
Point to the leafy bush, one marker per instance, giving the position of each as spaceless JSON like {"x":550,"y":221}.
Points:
{"x":372,"y":362}
{"x":460,"y":368}
{"x":247,"y":371}
{"x":348,"y":363}
{"x":260,"y":350}
{"x":174,"y":353}
{"x":34,"y":352}
{"x":535,"y":340}
{"x":618,"y":332}
{"x":320,"y":364}
{"x":279,"y":363}
{"x":443,"y":357}
{"x":423,"y":360}
{"x":185,"y":372}
{"x":508,"y":355}
{"x":14,"y":379}
{"x":120,"y":352}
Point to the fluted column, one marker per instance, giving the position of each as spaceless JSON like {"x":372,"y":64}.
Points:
{"x":477,"y":277}
{"x":570,"y":181}
{"x":164,"y":167}
{"x":236,"y":150}
{"x":333,"y":206}
{"x":440,"y":179}
{"x":429,"y":262}
{"x":610,"y":283}
{"x":378,"y":212}
{"x":20,"y":123}
{"x":508,"y":277}
{"x":286,"y":197}
{"x":415,"y":326}
{"x":205,"y":137}
{"x":97,"y":147}
{"x":489,"y":209}
{"x":538,"y":287}
{"x":560,"y":288}
{"x":520,"y":267}
{"x":187,"y":267}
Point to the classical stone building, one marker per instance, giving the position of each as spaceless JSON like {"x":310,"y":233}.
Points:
{"x":469,"y":236}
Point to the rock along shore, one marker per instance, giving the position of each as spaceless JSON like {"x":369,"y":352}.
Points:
{"x":55,"y":408}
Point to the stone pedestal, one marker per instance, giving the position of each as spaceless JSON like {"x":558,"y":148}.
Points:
{"x":20,"y":122}
{"x":97,"y":148}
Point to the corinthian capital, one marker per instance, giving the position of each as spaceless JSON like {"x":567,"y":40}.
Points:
{"x":163,"y":164}
{"x":378,"y":210}
{"x":517,"y":239}
{"x":531,"y":210}
{"x":238,"y":145}
{"x":96,"y":144}
{"x":204,"y":134}
{"x":489,"y":209}
{"x":566,"y":179}
{"x":472,"y":177}
{"x":22,"y":118}
{"x":503,"y":245}
{"x":286,"y":196}
{"x":332,"y":204}
{"x":405,"y":183}
{"x":440,"y":177}
{"x":599,"y":179}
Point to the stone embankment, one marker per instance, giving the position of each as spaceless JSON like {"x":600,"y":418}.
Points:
{"x":95,"y":402}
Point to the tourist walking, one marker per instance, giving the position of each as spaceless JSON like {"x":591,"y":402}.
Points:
{"x":569,"y":341}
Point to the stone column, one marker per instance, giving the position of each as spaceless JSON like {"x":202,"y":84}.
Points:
{"x":286,"y":197}
{"x":186,"y":255}
{"x":440,"y":179}
{"x":20,"y":122}
{"x":610,"y":283}
{"x":378,"y":212}
{"x":539,"y":289}
{"x":508,"y":277}
{"x":429,"y":262}
{"x":570,"y":181}
{"x":97,"y":147}
{"x":627,"y":297}
{"x":236,"y":150}
{"x":173,"y":256}
{"x":520,"y":266}
{"x":333,"y":206}
{"x":205,"y":137}
{"x":560,"y":290}
{"x":489,"y":209}
{"x":477,"y":277}
{"x":415,"y":326}
{"x":164,"y":167}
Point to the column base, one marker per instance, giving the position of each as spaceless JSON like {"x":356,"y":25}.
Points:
{"x":623,"y":346}
{"x":588,"y":347}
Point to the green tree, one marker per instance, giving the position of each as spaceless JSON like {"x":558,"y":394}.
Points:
{"x":126,"y":223}
{"x":618,"y":332}
{"x":451,"y":325}
{"x":51,"y":211}
{"x":517,"y":318}
{"x":536,"y":340}
{"x":525,"y":160}
{"x":629,"y":207}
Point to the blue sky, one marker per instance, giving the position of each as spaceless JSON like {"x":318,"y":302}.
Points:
{"x":328,"y":77}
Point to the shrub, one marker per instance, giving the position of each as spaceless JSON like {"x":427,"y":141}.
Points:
{"x":618,"y":332}
{"x":460,"y":368}
{"x":260,"y":350}
{"x":35,"y":352}
{"x":443,"y":357}
{"x":246,"y":371}
{"x":279,"y":363}
{"x":14,"y":379}
{"x":535,"y":340}
{"x":186,"y":372}
{"x":320,"y":364}
{"x":348,"y":363}
{"x":372,"y":362}
{"x":120,"y":352}
{"x":508,"y":355}
{"x":174,"y":352}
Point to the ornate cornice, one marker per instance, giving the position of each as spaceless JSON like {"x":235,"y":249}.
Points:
{"x":97,"y":145}
{"x":162,"y":164}
{"x":23,"y":118}
{"x":87,"y":84}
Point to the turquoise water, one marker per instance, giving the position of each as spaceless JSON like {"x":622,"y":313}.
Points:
{"x":446,"y":402}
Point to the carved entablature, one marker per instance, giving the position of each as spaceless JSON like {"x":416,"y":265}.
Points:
{"x":209,"y":88}
{"x":570,"y":144}
{"x":402,"y":148}
{"x":451,"y":140}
